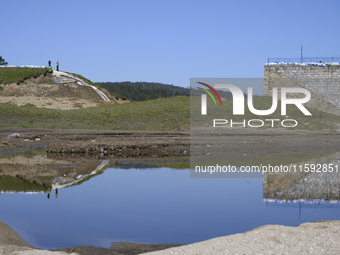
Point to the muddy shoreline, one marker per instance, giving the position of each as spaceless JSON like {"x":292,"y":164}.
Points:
{"x":94,"y":143}
{"x":151,"y":144}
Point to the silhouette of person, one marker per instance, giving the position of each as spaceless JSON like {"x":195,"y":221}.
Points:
{"x":57,"y":65}
{"x":48,"y":195}
{"x":49,"y":63}
{"x":56,"y":193}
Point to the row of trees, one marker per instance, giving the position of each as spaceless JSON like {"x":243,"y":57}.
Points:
{"x":141,"y":91}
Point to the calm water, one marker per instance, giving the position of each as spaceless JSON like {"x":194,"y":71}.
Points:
{"x":150,"y":205}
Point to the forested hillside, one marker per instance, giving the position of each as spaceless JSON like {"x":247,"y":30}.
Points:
{"x":141,"y":91}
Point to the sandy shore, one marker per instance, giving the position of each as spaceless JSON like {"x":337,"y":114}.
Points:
{"x":308,"y":238}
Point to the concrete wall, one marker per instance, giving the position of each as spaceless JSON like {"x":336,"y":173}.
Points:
{"x":322,"y":81}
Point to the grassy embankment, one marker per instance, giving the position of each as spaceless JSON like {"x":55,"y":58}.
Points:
{"x":16,"y":75}
{"x":159,"y":114}
{"x":318,"y":121}
{"x":17,"y":184}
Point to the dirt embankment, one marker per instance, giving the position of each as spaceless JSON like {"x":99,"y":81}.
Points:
{"x":55,"y":92}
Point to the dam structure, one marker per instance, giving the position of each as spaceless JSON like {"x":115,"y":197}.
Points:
{"x":320,"y":77}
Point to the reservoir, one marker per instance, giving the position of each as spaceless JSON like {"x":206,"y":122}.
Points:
{"x":146,"y":203}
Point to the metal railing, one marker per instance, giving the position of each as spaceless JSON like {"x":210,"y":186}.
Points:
{"x":304,"y":60}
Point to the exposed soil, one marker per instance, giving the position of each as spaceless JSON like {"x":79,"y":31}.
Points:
{"x":90,"y":142}
{"x":222,"y":142}
{"x":54,"y":91}
{"x":150,"y":144}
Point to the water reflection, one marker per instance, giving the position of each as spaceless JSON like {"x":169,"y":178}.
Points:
{"x":34,"y":175}
{"x":98,"y":202}
{"x":305,"y":189}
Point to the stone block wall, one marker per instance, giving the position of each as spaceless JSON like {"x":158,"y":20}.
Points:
{"x":322,"y":81}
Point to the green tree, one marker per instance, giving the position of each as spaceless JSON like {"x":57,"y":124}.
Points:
{"x":3,"y":62}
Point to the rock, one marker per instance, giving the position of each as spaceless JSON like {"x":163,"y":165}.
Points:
{"x":15,"y":135}
{"x":4,"y":144}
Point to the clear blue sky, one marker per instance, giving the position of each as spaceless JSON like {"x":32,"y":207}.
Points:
{"x":165,"y":41}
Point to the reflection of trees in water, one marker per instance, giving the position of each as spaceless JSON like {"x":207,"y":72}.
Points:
{"x":10,"y":184}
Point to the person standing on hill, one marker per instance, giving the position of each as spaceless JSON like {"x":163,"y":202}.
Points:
{"x":49,"y":63}
{"x":57,"y":65}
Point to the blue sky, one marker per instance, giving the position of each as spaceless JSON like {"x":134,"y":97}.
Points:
{"x":165,"y":41}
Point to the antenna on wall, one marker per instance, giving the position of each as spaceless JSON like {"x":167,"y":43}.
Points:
{"x":301,"y":55}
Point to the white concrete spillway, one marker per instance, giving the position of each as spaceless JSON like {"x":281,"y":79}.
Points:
{"x":81,"y":82}
{"x":100,"y":93}
{"x":63,"y":182}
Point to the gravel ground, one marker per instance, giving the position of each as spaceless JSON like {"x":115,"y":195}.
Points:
{"x":21,"y":250}
{"x":308,"y":238}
